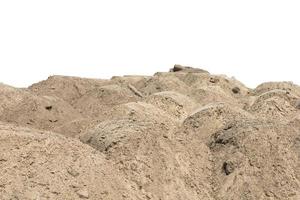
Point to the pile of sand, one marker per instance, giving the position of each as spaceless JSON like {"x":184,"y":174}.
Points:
{"x":177,"y":135}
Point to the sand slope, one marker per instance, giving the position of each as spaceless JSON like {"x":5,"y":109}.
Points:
{"x":177,"y":135}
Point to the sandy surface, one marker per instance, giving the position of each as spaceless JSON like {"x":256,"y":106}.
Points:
{"x":179,"y":135}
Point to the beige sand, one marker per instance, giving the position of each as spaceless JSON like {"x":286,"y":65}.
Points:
{"x":179,"y":135}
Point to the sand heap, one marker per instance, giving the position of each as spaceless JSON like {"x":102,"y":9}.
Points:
{"x":177,"y":135}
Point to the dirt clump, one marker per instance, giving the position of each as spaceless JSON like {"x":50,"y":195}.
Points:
{"x":182,"y":134}
{"x":181,"y":68}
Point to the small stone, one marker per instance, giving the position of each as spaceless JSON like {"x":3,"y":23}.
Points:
{"x":74,"y":185}
{"x":48,"y":108}
{"x":73,"y":172}
{"x":228,"y":167}
{"x":213,"y":80}
{"x":83,"y":193}
{"x":236,"y":90}
{"x":177,"y":68}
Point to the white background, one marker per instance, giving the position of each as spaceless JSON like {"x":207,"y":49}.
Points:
{"x":254,"y":41}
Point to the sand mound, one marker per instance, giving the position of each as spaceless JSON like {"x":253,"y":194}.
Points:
{"x":66,"y":87}
{"x":160,"y":83}
{"x":42,"y":112}
{"x":278,"y":104}
{"x":208,"y":119}
{"x":100,"y":100}
{"x":183,"y":134}
{"x":209,"y":94}
{"x":143,"y":149}
{"x":128,"y":79}
{"x":252,"y":159}
{"x":139,"y":111}
{"x":128,"y":124}
{"x":229,"y":85}
{"x":41,"y":165}
{"x":10,"y":96}
{"x":173,"y":103}
{"x":287,"y":86}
